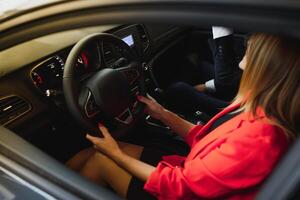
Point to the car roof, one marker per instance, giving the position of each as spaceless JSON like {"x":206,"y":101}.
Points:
{"x":260,"y":15}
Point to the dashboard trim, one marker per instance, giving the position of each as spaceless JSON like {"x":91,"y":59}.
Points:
{"x":20,"y":115}
{"x":37,"y":66}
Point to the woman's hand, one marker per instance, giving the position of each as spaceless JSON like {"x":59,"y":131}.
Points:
{"x":200,"y":87}
{"x":107,"y":144}
{"x":109,"y":147}
{"x":153,"y":108}
{"x":176,"y":123}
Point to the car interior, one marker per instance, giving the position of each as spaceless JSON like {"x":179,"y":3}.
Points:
{"x":32,"y":99}
{"x":34,"y":104}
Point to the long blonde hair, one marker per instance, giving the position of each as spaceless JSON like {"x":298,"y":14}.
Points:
{"x":271,"y":80}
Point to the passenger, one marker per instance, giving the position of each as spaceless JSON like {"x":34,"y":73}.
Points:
{"x":244,"y":143}
{"x":217,"y":93}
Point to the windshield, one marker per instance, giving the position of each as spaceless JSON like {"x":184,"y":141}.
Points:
{"x":11,"y":7}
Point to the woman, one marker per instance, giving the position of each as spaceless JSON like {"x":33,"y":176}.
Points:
{"x":244,"y":143}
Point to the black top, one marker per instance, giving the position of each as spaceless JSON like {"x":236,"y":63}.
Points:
{"x":222,"y":120}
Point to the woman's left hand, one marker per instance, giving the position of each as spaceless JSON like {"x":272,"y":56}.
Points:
{"x":107,"y":144}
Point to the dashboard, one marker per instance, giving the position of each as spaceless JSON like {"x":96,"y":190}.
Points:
{"x":47,"y":75}
{"x":31,"y":96}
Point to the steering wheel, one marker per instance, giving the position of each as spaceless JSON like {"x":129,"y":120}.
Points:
{"x":107,"y":94}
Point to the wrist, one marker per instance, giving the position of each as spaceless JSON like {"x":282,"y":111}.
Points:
{"x":165,"y":115}
{"x":116,"y":155}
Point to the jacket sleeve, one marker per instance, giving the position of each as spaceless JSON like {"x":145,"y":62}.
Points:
{"x":233,"y":165}
{"x":190,"y":138}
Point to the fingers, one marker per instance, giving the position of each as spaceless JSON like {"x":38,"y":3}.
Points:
{"x":98,"y":142}
{"x":151,"y":98}
{"x":93,"y":139}
{"x":143,"y":99}
{"x":103,"y":130}
{"x":146,"y":100}
{"x":96,"y":147}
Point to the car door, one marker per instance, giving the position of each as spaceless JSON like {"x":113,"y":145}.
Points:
{"x":25,"y":171}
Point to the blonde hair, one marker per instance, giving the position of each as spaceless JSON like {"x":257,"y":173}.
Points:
{"x":271,"y":80}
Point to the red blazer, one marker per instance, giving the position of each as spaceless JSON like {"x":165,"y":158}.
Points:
{"x":228,"y":163}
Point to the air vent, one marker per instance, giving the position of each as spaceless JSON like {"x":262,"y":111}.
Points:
{"x":11,"y":108}
{"x":143,"y":36}
{"x":108,"y":54}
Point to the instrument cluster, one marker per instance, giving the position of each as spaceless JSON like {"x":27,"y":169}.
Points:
{"x":47,"y":76}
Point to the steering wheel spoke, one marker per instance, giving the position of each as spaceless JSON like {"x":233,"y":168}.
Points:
{"x":126,"y":117}
{"x":87,"y":103}
{"x":90,"y":107}
{"x":131,"y":73}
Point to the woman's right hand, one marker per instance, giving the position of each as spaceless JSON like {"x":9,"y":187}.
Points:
{"x":153,"y":108}
{"x":170,"y":119}
{"x":200,"y":87}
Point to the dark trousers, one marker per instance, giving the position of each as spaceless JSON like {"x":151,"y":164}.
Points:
{"x":184,"y":99}
{"x":226,"y":67}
